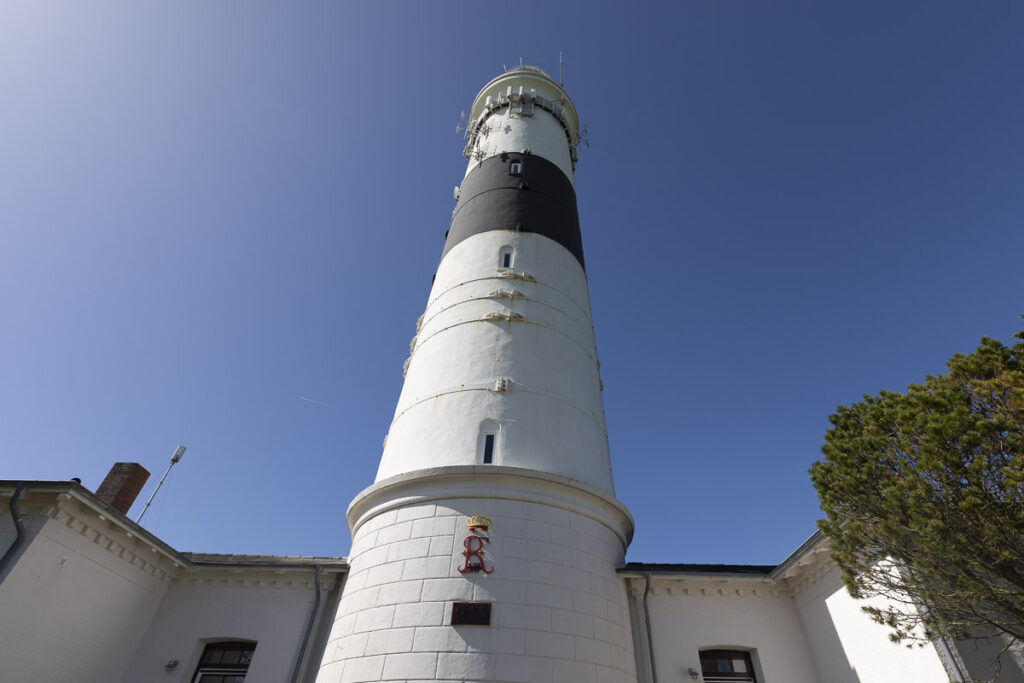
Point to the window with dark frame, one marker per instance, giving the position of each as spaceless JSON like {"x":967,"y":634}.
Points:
{"x":224,"y":662}
{"x":488,"y":449}
{"x":515,"y":168}
{"x":727,"y":666}
{"x":506,"y":259}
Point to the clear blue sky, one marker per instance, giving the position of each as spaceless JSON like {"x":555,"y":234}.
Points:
{"x":219,"y":222}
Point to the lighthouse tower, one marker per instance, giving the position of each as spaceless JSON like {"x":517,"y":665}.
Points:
{"x":486,"y":548}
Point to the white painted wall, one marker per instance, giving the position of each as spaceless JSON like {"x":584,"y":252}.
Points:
{"x":89,"y":601}
{"x":559,"y":610}
{"x":552,"y":417}
{"x":79,"y":598}
{"x":696,"y":614}
{"x":848,"y":647}
{"x":271,"y":608}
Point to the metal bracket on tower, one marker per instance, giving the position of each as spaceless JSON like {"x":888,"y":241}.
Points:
{"x":503,"y":294}
{"x":517,"y":275}
{"x":583,"y":138}
{"x":510,"y":316}
{"x":521,"y":103}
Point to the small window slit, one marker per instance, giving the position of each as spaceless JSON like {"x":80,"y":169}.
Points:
{"x":488,"y":449}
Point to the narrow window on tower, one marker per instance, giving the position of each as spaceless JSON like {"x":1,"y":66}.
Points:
{"x":488,"y":449}
{"x":515,"y":168}
{"x":505,"y":257}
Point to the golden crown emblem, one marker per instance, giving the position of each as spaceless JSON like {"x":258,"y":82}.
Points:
{"x":478,"y":522}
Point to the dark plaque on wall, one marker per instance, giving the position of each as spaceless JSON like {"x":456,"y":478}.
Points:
{"x":471,"y":614}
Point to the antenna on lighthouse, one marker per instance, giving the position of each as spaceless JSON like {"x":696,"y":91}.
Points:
{"x":561,"y":80}
{"x":178,"y":452}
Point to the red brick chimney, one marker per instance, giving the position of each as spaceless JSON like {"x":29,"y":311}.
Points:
{"x":122,"y":484}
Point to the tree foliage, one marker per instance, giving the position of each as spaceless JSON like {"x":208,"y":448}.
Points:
{"x":924,"y":497}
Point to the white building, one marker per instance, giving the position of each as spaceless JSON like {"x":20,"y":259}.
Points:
{"x":491,"y":545}
{"x":87,"y":595}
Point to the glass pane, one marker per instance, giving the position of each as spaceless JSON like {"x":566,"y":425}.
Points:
{"x":716,"y":663}
{"x":727,"y":665}
{"x":212,"y":656}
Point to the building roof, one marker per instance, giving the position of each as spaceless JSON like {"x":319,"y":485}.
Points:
{"x":224,"y":559}
{"x":687,"y":568}
{"x":810,"y":553}
{"x":73,"y":489}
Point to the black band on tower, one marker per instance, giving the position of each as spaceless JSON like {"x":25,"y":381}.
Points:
{"x":533,"y":197}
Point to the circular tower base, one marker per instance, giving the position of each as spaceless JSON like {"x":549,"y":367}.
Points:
{"x":539,"y":568}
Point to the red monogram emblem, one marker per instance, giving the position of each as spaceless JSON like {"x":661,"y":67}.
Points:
{"x":474,"y":554}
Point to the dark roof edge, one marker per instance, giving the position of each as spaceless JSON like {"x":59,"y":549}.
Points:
{"x":686,"y":568}
{"x":267,"y":561}
{"x":814,"y":541}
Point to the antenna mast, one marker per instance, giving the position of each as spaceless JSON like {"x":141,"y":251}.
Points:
{"x":561,"y":80}
{"x":178,"y":452}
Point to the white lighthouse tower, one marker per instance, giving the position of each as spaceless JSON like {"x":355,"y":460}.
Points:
{"x":486,"y":548}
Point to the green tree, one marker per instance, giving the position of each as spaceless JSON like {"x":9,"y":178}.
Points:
{"x":924,"y":497}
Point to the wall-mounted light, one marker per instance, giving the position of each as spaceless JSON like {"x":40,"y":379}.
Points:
{"x":171,"y":665}
{"x":694,"y":674}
